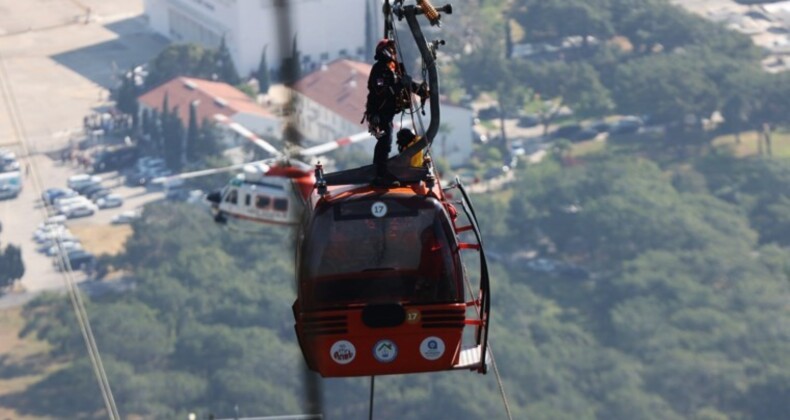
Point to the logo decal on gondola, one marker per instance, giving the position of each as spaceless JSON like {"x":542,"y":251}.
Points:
{"x":343,"y":352}
{"x":379,"y":209}
{"x":385,"y":351}
{"x":432,"y":348}
{"x":412,"y":316}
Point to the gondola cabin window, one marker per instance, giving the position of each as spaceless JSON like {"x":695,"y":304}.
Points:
{"x":361,"y":252}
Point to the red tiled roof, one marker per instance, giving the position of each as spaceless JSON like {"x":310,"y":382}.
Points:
{"x":341,"y":86}
{"x":214,"y":98}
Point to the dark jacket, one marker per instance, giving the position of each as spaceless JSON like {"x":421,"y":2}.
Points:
{"x":387,"y":93}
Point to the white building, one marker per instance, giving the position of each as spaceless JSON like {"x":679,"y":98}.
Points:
{"x":331,"y":100}
{"x":324,"y":29}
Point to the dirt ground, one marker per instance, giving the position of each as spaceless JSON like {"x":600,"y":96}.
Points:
{"x":102,"y":239}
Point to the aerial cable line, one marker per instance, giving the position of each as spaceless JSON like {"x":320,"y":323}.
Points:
{"x":74,"y":295}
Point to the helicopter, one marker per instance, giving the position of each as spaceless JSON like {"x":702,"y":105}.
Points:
{"x":270,"y":191}
{"x":381,"y":286}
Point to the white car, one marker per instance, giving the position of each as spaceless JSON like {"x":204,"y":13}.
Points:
{"x":60,"y":203}
{"x":51,"y":237}
{"x":80,"y":210}
{"x":65,"y":246}
{"x":109,"y":201}
{"x":125,"y":217}
{"x":77,"y":181}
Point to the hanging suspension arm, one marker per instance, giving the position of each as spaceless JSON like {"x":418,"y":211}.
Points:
{"x":427,"y":52}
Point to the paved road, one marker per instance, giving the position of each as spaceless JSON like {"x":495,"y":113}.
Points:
{"x":58,"y":68}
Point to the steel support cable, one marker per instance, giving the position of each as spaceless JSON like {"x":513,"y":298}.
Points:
{"x":498,"y":377}
{"x":74,"y":295}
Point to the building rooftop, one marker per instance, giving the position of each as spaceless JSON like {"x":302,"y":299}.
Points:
{"x":212,"y":98}
{"x":341,"y":86}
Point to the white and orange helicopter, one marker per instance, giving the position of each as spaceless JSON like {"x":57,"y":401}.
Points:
{"x":270,"y":191}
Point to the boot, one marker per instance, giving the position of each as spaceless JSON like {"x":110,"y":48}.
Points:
{"x":384,"y":178}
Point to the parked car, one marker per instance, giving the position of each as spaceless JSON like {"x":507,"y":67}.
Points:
{"x":626,"y":125}
{"x":78,"y":259}
{"x":65,"y":246}
{"x":584,"y":134}
{"x":109,"y":201}
{"x":51,"y":194}
{"x":115,"y":158}
{"x":89,"y":190}
{"x":527,"y":121}
{"x":488,"y":113}
{"x":62,"y":203}
{"x":95,"y":195}
{"x":125,"y":217}
{"x":80,"y":181}
{"x":80,"y":210}
{"x":8,"y":162}
{"x":566,"y":131}
{"x":600,"y":126}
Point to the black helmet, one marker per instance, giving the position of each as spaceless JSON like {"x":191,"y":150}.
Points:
{"x":404,"y":136}
{"x":385,"y":49}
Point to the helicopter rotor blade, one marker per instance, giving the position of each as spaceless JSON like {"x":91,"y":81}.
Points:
{"x":207,"y":172}
{"x":249,"y":135}
{"x":328,"y":147}
{"x":345,"y":141}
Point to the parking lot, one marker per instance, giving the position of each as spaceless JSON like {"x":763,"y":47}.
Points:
{"x":58,"y":67}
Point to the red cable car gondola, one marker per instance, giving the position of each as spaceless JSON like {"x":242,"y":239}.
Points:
{"x":381,"y":285}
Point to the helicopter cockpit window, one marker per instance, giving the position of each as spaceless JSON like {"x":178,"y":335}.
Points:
{"x":408,"y":255}
{"x":281,"y":204}
{"x":263,"y":201}
{"x":232,"y":197}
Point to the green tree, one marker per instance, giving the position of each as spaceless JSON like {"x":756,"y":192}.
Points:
{"x":549,"y":21}
{"x":226,"y":70}
{"x":126,"y":96}
{"x":193,"y":134}
{"x":12,"y":268}
{"x":559,"y":84}
{"x":262,"y":74}
{"x":650,"y":86}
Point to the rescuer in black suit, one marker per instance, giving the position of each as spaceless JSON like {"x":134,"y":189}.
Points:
{"x":389,"y":90}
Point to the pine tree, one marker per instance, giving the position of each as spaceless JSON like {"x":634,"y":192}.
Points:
{"x":173,"y":136}
{"x":126,"y":100}
{"x":226,"y":68}
{"x":193,"y":133}
{"x":262,"y":75}
{"x":291,"y":68}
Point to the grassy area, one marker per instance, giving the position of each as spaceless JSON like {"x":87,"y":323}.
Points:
{"x":23,"y":361}
{"x":588,"y":147}
{"x":102,"y":239}
{"x":780,"y":144}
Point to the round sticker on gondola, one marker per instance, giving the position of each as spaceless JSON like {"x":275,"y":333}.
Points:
{"x":385,"y":351}
{"x":432,"y":348}
{"x":379,"y":209}
{"x":342,"y":352}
